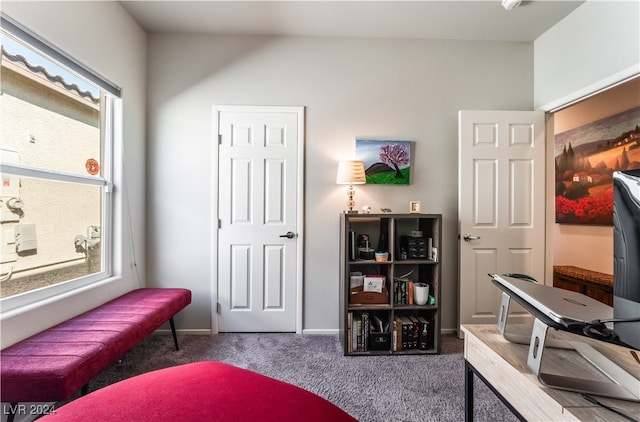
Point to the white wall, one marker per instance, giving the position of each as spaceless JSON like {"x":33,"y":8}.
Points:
{"x":409,"y":89}
{"x":598,"y":44}
{"x":104,"y":37}
{"x":594,"y":47}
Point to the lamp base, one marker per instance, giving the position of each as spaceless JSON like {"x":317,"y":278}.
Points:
{"x":351,"y":211}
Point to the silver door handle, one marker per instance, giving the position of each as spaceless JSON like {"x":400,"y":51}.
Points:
{"x":468,"y":238}
{"x":288,"y":235}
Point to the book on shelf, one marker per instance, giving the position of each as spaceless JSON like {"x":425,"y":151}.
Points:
{"x":423,"y":337}
{"x":359,"y":327}
{"x":407,"y":332}
{"x":396,"y":335}
{"x":410,"y":332}
{"x":403,"y":291}
{"x":365,"y":332}
{"x":356,"y":337}
{"x":410,"y":293}
{"x":415,"y":331}
{"x":349,"y":333}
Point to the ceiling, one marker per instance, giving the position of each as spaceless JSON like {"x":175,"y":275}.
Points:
{"x":462,"y":20}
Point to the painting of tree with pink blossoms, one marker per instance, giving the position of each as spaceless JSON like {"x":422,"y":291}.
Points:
{"x":386,"y":162}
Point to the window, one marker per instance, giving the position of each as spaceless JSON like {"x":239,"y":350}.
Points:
{"x":56,"y":145}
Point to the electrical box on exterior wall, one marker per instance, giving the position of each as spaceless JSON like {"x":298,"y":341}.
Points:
{"x":26,"y":242}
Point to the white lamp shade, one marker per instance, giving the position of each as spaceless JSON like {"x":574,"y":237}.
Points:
{"x":351,"y":172}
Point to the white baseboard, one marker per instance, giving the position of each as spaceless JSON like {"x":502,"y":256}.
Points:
{"x":325,"y":331}
{"x":308,"y":331}
{"x":318,"y":331}
{"x":198,"y":332}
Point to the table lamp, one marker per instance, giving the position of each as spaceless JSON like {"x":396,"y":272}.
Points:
{"x":351,"y":172}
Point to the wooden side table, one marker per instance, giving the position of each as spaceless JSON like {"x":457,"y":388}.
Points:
{"x":502,"y":366}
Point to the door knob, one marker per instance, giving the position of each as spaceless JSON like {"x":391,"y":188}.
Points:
{"x":468,"y":238}
{"x":288,"y":235}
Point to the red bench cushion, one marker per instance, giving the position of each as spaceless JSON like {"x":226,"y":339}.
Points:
{"x":202,"y":391}
{"x":54,"y":364}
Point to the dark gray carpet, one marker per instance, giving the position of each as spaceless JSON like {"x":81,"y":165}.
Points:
{"x":371,"y":389}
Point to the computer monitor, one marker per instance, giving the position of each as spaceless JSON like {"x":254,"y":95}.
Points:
{"x":626,"y":255}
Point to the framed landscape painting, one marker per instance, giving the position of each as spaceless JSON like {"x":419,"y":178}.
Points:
{"x":386,"y":162}
{"x":585,"y":159}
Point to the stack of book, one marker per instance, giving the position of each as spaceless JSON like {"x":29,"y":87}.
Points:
{"x":361,"y":326}
{"x":411,"y":332}
{"x":402,"y":291}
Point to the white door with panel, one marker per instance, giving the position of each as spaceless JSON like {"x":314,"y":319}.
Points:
{"x":501,"y":205}
{"x":259,"y":238}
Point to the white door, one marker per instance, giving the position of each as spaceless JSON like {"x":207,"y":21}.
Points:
{"x":259,"y":211}
{"x":501,"y":205}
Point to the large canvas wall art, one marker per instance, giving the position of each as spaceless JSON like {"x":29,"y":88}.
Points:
{"x":585,"y":159}
{"x":386,"y":162}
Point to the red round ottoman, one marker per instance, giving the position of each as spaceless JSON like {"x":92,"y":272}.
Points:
{"x":202,"y":391}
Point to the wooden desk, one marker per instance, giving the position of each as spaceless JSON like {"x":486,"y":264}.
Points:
{"x":502,"y":365}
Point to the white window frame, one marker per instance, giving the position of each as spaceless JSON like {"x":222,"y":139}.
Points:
{"x":111,"y":133}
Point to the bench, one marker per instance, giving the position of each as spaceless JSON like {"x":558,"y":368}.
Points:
{"x":590,"y":283}
{"x":56,"y":363}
